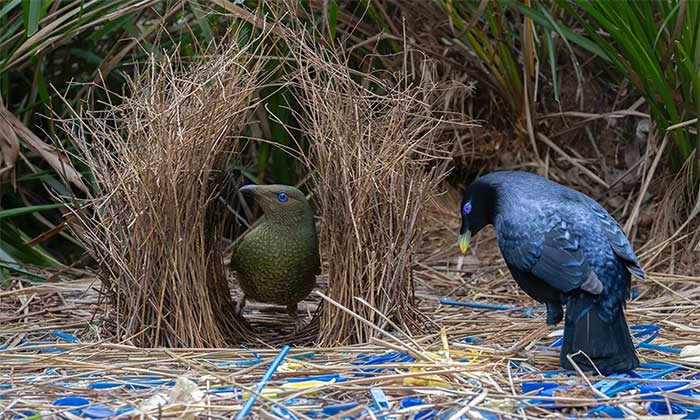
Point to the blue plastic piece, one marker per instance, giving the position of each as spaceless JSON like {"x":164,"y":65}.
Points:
{"x":557,"y":343}
{"x":248,"y":405}
{"x":421,"y":415}
{"x":309,"y":355}
{"x":693,"y":414}
{"x":656,"y":347}
{"x":65,"y":336}
{"x":283,"y":413}
{"x":105,"y":385}
{"x":660,"y":408}
{"x":532,"y":386}
{"x":607,"y":411}
{"x":391,"y":357}
{"x":332,"y":410}
{"x":624,"y":386}
{"x":657,"y":387}
{"x":124,"y":410}
{"x":224,"y":389}
{"x":381,"y":404}
{"x":477,"y":305}
{"x":71,"y":402}
{"x":325,"y":378}
{"x":98,"y":412}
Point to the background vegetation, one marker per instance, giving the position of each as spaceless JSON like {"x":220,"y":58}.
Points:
{"x":600,"y":95}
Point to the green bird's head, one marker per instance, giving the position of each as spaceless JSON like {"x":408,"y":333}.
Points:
{"x":280,"y":203}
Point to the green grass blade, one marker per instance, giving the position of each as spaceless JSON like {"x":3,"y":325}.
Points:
{"x":332,"y":18}
{"x":32,"y":15}
{"x":552,"y":62}
{"x":5,"y":10}
{"x":20,"y":211}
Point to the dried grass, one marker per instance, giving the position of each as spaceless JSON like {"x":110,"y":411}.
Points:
{"x":378,"y":159}
{"x":154,"y":225}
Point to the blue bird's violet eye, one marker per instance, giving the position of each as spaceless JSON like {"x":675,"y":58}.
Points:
{"x":467,"y":208}
{"x":282,"y":197}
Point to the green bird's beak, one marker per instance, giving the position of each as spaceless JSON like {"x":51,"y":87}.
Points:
{"x":464,"y":241}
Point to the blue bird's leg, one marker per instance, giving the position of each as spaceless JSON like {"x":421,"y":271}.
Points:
{"x":555,"y":313}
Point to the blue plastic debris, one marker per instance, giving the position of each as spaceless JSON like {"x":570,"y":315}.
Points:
{"x":65,"y":336}
{"x":124,"y":410}
{"x":332,"y":410}
{"x":381,"y":404}
{"x":528,"y":387}
{"x":98,"y":412}
{"x":660,"y":408}
{"x":105,"y":385}
{"x":693,"y":414}
{"x":282,"y":413}
{"x":656,"y":387}
{"x":421,"y":415}
{"x":325,"y":378}
{"x":248,"y":405}
{"x":607,"y":411}
{"x":472,"y":340}
{"x":557,"y":343}
{"x":477,"y":305}
{"x":309,"y":355}
{"x":391,"y":357}
{"x":71,"y":402}
{"x":664,"y":349}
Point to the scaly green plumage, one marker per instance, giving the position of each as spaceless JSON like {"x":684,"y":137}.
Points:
{"x":277,"y":261}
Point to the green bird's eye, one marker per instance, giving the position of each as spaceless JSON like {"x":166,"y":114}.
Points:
{"x":282,"y":197}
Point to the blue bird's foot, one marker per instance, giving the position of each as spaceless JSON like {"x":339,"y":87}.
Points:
{"x":555,"y":313}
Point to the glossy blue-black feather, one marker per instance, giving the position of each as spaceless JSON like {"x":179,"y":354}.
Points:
{"x":563,"y":248}
{"x":559,"y":236}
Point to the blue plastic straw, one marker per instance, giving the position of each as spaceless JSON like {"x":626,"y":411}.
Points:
{"x":266,"y":377}
{"x":476,"y":305}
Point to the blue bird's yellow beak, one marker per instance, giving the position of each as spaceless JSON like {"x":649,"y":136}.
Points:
{"x":464,"y":241}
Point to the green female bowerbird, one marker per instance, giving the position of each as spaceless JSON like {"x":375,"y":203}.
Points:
{"x":277,"y":260}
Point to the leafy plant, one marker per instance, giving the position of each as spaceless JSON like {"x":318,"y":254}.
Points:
{"x":656,"y":44}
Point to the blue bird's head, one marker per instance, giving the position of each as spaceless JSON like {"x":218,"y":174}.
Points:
{"x":477,"y":210}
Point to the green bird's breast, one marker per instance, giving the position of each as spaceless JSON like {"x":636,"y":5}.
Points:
{"x":277,"y":264}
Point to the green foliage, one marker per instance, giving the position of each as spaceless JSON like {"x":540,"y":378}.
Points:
{"x":494,"y":38}
{"x":656,"y":44}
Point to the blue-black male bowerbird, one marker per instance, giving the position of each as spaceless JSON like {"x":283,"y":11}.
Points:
{"x":562,"y":248}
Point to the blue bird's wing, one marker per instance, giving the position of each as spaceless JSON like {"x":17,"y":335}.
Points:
{"x":618,"y":241}
{"x":553,"y":255}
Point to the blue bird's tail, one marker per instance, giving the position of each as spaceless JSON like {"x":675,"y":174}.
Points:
{"x":605,"y":340}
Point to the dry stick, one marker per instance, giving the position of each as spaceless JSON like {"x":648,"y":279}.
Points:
{"x":544,"y":139}
{"x":570,"y":358}
{"x":408,"y":348}
{"x":635,"y":210}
